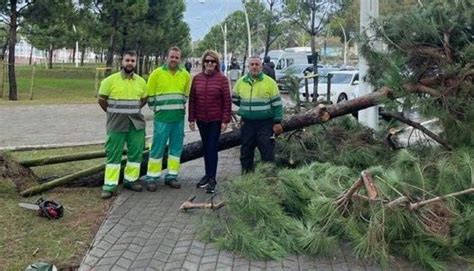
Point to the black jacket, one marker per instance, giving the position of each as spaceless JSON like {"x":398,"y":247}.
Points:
{"x":268,"y":69}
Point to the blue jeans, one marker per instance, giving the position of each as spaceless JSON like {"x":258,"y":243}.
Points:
{"x":210,"y":133}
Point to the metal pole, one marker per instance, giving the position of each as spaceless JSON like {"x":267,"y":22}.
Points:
{"x":248,"y":31}
{"x":77,"y":54}
{"x":225,"y":48}
{"x":328,"y":97}
{"x":368,"y":9}
{"x":345,"y":43}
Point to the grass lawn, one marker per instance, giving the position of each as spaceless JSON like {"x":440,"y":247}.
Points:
{"x":62,"y":84}
{"x":26,"y":238}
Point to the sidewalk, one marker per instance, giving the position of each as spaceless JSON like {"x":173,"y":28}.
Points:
{"x":146,"y":231}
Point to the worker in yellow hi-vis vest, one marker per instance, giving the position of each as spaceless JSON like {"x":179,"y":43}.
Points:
{"x":168,"y":89}
{"x":122,"y":95}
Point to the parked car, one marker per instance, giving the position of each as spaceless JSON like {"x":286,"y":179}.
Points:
{"x":343,"y":85}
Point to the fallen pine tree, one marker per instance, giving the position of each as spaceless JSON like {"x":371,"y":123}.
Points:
{"x":192,"y":151}
{"x":417,"y":202}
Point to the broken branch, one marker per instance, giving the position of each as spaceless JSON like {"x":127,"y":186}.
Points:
{"x":189,"y":204}
{"x":414,"y":206}
{"x":418,"y":126}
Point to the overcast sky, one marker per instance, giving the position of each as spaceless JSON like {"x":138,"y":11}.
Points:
{"x":201,"y":15}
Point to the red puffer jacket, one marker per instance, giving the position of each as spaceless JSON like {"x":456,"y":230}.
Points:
{"x":210,"y":98}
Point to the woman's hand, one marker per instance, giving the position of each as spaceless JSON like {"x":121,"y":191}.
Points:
{"x":192,"y":125}
{"x":223,"y":127}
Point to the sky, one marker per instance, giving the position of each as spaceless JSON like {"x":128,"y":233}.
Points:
{"x":201,"y":15}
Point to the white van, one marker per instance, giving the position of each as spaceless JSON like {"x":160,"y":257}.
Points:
{"x":294,"y":55}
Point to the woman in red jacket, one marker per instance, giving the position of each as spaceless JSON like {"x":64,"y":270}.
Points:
{"x":210,"y":109}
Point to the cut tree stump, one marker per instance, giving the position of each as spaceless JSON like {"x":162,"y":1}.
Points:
{"x":15,"y":172}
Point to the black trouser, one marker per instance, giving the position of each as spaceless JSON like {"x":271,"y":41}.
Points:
{"x":256,"y":133}
{"x":210,"y":132}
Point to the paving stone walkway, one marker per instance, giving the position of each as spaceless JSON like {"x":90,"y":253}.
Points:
{"x":146,"y":231}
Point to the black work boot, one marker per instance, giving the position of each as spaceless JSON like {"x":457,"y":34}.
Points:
{"x":211,"y":187}
{"x":151,"y":186}
{"x":173,"y":183}
{"x":106,"y":194}
{"x":203,"y":182}
{"x":134,"y":186}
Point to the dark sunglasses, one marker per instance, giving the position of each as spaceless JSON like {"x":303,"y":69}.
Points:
{"x":209,"y":61}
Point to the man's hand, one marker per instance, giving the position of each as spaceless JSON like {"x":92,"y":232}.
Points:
{"x":277,"y":128}
{"x":192,"y":126}
{"x":223,"y":127}
{"x":103,"y":103}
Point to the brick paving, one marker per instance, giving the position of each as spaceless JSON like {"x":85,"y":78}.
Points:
{"x":146,"y":231}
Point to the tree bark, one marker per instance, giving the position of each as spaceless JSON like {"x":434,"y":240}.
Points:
{"x":4,"y":50}
{"x":13,"y":94}
{"x":50,"y":56}
{"x":111,"y":48}
{"x":30,"y":61}
{"x":83,"y":53}
{"x":189,"y":204}
{"x":74,"y":54}
{"x":268,"y":38}
{"x":62,"y":159}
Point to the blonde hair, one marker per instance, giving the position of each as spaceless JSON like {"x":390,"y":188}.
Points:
{"x":212,"y":54}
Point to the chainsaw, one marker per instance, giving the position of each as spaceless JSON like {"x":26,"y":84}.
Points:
{"x":45,"y":208}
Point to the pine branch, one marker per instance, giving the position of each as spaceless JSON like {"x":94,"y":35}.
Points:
{"x":418,"y":126}
{"x":396,"y":202}
{"x":369,"y":185}
{"x":344,"y":198}
{"x":415,"y":206}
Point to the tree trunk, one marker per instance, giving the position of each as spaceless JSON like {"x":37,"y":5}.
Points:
{"x":110,"y":54}
{"x":4,"y":50}
{"x":111,"y":49}
{"x":30,"y":61}
{"x":50,"y":57}
{"x":314,"y":54}
{"x":268,"y":33}
{"x":13,"y":95}
{"x":83,"y":53}
{"x":74,"y":54}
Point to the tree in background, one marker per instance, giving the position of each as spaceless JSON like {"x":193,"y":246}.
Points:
{"x":272,"y":22}
{"x":345,"y":24}
{"x":12,"y":13}
{"x":313,"y":16}
{"x":48,"y":25}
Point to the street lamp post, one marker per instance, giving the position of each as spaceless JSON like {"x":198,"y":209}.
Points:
{"x":223,"y":29}
{"x":248,"y":30}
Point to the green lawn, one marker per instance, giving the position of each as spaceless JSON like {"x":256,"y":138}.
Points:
{"x":62,"y":84}
{"x":26,"y":237}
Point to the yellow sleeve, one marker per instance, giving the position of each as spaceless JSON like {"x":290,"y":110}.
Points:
{"x":152,"y":84}
{"x":275,"y":91}
{"x":144,"y":89}
{"x":105,"y":87}
{"x":187,"y":86}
